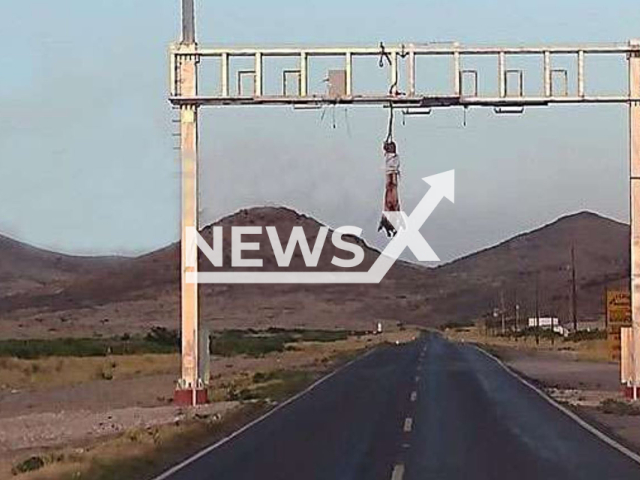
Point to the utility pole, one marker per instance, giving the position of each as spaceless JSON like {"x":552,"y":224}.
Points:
{"x":606,"y":309}
{"x":517,"y":311}
{"x":537,"y":308}
{"x":574,"y":297}
{"x":188,"y":22}
{"x":502,"y":312}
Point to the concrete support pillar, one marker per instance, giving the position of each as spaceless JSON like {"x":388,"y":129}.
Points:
{"x":191,"y":388}
{"x":634,"y":161}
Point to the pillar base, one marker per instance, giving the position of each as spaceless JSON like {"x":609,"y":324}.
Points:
{"x":628,"y":392}
{"x":184,"y":397}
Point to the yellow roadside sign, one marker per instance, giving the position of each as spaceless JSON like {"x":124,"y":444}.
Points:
{"x":618,"y":316}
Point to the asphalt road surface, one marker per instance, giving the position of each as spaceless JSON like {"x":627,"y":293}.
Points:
{"x":427,"y":410}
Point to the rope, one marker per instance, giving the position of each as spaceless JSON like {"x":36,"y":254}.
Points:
{"x":383,"y":56}
{"x":390,"y":127}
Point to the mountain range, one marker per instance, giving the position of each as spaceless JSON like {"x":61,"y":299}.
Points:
{"x":44,"y":293}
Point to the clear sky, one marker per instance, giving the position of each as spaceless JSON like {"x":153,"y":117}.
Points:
{"x":87,"y":160}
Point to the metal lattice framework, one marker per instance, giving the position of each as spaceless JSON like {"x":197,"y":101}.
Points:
{"x":401,"y":62}
{"x":401,"y":91}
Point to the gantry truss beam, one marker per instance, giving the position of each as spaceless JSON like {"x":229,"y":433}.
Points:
{"x":402,"y":89}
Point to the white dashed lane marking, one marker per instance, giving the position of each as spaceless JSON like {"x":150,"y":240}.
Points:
{"x":408,"y":424}
{"x":398,"y":472}
{"x":398,"y":469}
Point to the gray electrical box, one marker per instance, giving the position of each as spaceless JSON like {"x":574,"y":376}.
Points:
{"x":337,"y":83}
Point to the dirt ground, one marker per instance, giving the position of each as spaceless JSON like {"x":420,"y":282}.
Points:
{"x":562,"y":370}
{"x":69,"y":407}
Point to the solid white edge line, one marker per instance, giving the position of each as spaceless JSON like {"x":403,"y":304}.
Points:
{"x":584,"y":424}
{"x":280,"y":406}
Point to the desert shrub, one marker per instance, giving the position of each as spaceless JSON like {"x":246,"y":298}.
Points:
{"x":584,"y":335}
{"x":262,"y":377}
{"x":259,"y":377}
{"x":29,"y":465}
{"x":543,"y":333}
{"x":283,"y":383}
{"x":456,"y":325}
{"x":617,"y":407}
{"x":163,"y":336}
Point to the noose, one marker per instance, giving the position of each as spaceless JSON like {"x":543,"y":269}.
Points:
{"x":383,"y":56}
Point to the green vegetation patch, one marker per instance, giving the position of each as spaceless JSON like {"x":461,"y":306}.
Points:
{"x":236,"y":342}
{"x":255,"y":343}
{"x":158,"y":340}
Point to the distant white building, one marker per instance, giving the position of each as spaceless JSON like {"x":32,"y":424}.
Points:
{"x":548,"y":323}
{"x":544,"y":322}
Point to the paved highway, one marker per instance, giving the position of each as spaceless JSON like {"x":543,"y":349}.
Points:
{"x":427,"y":410}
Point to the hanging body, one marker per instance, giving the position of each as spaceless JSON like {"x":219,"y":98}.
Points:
{"x":391,"y":197}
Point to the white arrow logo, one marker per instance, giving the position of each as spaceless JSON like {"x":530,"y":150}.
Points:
{"x":442,"y":186}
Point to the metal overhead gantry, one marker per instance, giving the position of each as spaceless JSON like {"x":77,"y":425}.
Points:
{"x":555,"y":81}
{"x":401,"y":61}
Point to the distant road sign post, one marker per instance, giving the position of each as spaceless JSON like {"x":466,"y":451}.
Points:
{"x":618,"y":317}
